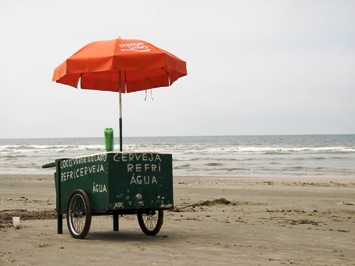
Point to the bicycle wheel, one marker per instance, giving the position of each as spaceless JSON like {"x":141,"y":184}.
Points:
{"x":79,"y":214}
{"x":151,"y":221}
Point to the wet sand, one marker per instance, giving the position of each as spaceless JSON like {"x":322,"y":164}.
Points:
{"x":216,"y":221}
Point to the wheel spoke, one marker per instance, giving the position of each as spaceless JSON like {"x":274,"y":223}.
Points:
{"x":78,"y":214}
{"x":151,"y":221}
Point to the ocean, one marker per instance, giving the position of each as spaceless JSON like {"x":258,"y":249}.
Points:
{"x":225,"y":156}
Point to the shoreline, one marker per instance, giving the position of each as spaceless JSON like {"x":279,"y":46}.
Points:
{"x":216,"y":220}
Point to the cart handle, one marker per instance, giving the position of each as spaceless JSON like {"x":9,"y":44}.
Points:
{"x":49,"y":165}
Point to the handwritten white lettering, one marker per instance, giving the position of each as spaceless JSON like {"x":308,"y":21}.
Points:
{"x":98,"y":188}
{"x":135,"y":157}
{"x":81,"y":172}
{"x":143,"y":180}
{"x":143,"y":167}
{"x":83,"y":160}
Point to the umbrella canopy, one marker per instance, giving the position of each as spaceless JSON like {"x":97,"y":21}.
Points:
{"x":120,"y":65}
{"x":124,"y":65}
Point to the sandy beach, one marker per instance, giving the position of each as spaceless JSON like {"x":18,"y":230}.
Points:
{"x":216,"y":221}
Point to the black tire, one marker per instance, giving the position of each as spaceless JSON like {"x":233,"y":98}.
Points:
{"x":79,"y":214}
{"x":151,"y":221}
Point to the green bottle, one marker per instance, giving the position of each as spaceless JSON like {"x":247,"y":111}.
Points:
{"x":109,"y":143}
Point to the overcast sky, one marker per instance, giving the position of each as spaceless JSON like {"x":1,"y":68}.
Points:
{"x":254,"y":67}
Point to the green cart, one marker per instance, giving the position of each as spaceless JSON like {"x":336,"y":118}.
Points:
{"x":113,"y":183}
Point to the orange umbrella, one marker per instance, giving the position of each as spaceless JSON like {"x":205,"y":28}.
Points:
{"x":120,"y":65}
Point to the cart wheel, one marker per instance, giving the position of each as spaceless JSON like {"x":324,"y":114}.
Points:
{"x":151,"y":221}
{"x":79,"y":214}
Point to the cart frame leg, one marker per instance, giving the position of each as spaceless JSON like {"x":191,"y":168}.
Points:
{"x":60,"y":223}
{"x":115,"y":222}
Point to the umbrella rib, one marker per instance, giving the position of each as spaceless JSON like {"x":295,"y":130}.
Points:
{"x":79,"y":82}
{"x":126,"y":82}
{"x":168,"y":76}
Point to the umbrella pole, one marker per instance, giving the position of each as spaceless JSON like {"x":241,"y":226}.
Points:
{"x":120,"y":100}
{"x":120,"y":123}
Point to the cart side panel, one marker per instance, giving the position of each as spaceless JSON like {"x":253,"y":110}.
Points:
{"x":140,"y":181}
{"x":88,"y":173}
